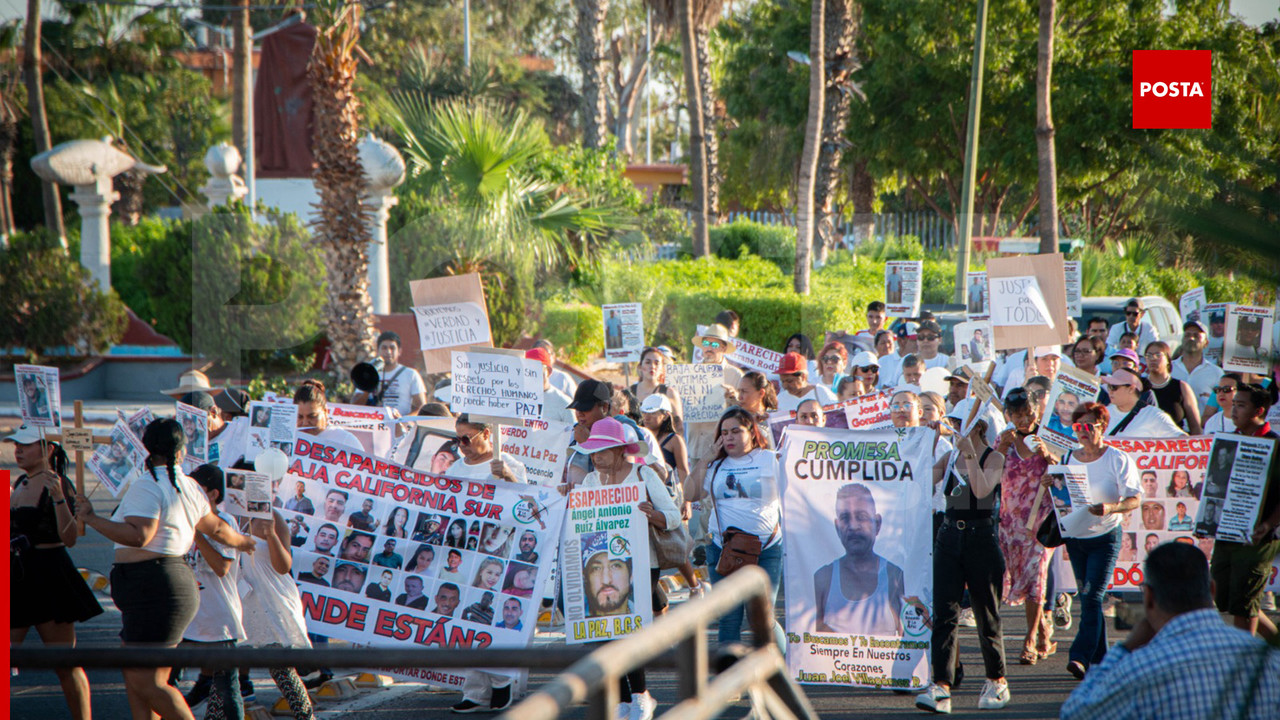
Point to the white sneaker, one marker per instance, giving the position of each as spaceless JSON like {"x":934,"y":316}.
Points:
{"x":642,"y":706}
{"x":934,"y":699}
{"x":994,"y":695}
{"x":965,"y":618}
{"x":622,"y":712}
{"x":1269,"y":601}
{"x":1109,"y":606}
{"x":1062,"y":611}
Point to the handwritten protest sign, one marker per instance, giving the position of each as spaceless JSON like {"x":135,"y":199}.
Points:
{"x":39,"y":395}
{"x":1028,"y":301}
{"x":701,"y":390}
{"x":623,"y":331}
{"x":1234,"y":484}
{"x":117,"y":463}
{"x":1192,"y":304}
{"x":195,"y":426}
{"x":496,"y":385}
{"x":978,"y":307}
{"x":248,"y":494}
{"x":541,"y":446}
{"x":363,"y":581}
{"x":902,"y":289}
{"x":604,"y":560}
{"x":868,"y":412}
{"x":1247,"y":339}
{"x":1071,"y":388}
{"x":460,"y":292}
{"x":835,"y":474}
{"x":1071,"y":274}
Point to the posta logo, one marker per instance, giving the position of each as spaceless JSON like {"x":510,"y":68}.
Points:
{"x":1173,"y":89}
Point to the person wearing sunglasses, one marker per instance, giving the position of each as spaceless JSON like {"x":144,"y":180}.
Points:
{"x":1134,"y":322}
{"x":1173,"y":396}
{"x":1093,"y":543}
{"x":1216,"y":420}
{"x":1193,"y":367}
{"x":793,"y":376}
{"x":1130,"y":418}
{"x":831,"y":364}
{"x":928,"y":340}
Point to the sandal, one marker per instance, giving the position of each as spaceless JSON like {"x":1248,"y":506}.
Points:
{"x":1051,"y":649}
{"x":1029,"y":656}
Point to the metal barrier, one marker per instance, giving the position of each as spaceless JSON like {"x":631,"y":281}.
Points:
{"x":677,"y":640}
{"x":761,"y":670}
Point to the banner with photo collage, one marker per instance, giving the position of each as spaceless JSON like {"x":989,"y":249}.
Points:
{"x":604,"y":561}
{"x":386,"y":555}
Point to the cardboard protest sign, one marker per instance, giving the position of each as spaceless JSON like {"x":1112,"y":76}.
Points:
{"x":39,"y":395}
{"x":496,"y":386}
{"x":1247,"y":340}
{"x":869,"y":412}
{"x":1028,"y":301}
{"x":973,"y":342}
{"x":623,"y":331}
{"x":978,"y":307}
{"x":701,"y":390}
{"x":248,"y":495}
{"x":116,"y":464}
{"x":195,"y":427}
{"x":1217,"y":313}
{"x":445,"y":309}
{"x":857,"y":499}
{"x":271,"y":424}
{"x":754,"y":357}
{"x":1234,"y":484}
{"x":365,"y":580}
{"x":902,"y":288}
{"x":1070,"y":389}
{"x":370,"y":425}
{"x":541,"y":446}
{"x":604,"y":560}
{"x":1192,"y":304}
{"x":1071,"y":497}
{"x":1071,"y":275}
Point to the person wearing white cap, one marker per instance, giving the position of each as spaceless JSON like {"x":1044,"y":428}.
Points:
{"x":1127,"y":417}
{"x":866,"y":367}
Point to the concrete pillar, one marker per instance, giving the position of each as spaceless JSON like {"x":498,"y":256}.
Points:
{"x":224,"y":185}
{"x":94,"y":203}
{"x":384,"y":170}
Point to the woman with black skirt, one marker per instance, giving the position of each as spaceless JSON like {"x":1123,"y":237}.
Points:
{"x":153,"y":528}
{"x":46,"y":590}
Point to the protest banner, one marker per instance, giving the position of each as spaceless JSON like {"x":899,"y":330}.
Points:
{"x":978,"y":307}
{"x":363,"y":580}
{"x":1028,"y":301}
{"x":271,"y":424}
{"x":420,"y":449}
{"x":39,"y":395}
{"x":701,"y":389}
{"x":1192,"y":304}
{"x":973,"y":342}
{"x":623,"y":331}
{"x":248,"y":494}
{"x":902,"y":289}
{"x":1070,"y":388}
{"x":371,"y":425}
{"x":117,"y":463}
{"x":496,"y":386}
{"x":195,"y":427}
{"x":868,"y":412}
{"x":1247,"y":339}
{"x":1234,"y":484}
{"x":754,"y":357}
{"x":541,"y":446}
{"x":448,"y":313}
{"x":604,"y":560}
{"x":1071,"y":276}
{"x":1071,"y":497}
{"x":859,"y":504}
{"x":1217,"y":313}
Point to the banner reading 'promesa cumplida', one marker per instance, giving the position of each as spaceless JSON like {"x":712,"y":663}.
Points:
{"x":860,"y":596}
{"x":468,"y":576}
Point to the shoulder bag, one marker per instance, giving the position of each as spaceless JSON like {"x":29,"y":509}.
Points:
{"x":670,"y":547}
{"x":738,"y":548}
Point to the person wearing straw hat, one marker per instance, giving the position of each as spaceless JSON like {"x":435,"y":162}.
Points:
{"x":191,"y":381}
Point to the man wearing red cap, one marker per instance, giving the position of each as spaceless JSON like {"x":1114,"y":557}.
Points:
{"x":555,"y":404}
{"x":793,"y":375}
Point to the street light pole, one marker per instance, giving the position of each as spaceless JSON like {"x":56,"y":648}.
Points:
{"x":466,"y":34}
{"x":971,"y":155}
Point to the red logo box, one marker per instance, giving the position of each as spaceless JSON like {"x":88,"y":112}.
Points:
{"x":1173,"y":89}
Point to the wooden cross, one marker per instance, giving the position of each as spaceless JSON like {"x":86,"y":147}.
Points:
{"x":79,"y":439}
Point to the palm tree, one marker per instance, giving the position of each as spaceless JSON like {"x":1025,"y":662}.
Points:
{"x":812,"y":138}
{"x":699,"y":177}
{"x":1048,"y":164}
{"x":837,"y":68}
{"x":33,"y":72}
{"x":595,"y":78}
{"x":12,"y":109}
{"x":341,"y":230}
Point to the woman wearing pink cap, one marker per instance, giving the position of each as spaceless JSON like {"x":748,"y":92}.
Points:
{"x":611,"y":454}
{"x":1128,"y":417}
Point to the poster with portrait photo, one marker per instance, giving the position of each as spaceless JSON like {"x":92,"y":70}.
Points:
{"x":420,"y":447}
{"x":117,"y":462}
{"x":195,"y":429}
{"x":39,"y":395}
{"x":623,"y":331}
{"x":604,"y":561}
{"x":1247,"y":340}
{"x":138,"y":421}
{"x":1192,"y":304}
{"x":902,"y":288}
{"x":859,"y":503}
{"x":973,"y":342}
{"x":271,"y":424}
{"x":1215,"y":315}
{"x":1235,"y":483}
{"x":1069,"y":492}
{"x":248,"y":494}
{"x":978,"y":307}
{"x":1071,"y":388}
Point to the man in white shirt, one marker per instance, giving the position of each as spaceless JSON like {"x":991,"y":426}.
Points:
{"x":555,"y":404}
{"x":928,"y":340}
{"x":1135,"y":323}
{"x":559,"y":378}
{"x":399,"y":386}
{"x":1192,"y":367}
{"x":891,"y":364}
{"x":793,"y":375}
{"x":1148,"y":421}
{"x":887,"y":358}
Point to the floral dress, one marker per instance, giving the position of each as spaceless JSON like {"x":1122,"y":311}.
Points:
{"x":1026,"y":560}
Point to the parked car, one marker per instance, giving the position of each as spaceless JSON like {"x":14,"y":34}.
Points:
{"x":1160,"y":313}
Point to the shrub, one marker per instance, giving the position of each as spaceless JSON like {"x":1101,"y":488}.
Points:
{"x":576,"y":329}
{"x":48,"y":303}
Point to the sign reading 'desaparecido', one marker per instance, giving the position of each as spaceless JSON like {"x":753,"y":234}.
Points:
{"x":604,"y":560}
{"x":488,"y":383}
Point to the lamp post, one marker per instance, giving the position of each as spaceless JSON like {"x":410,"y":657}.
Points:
{"x":971,"y":156}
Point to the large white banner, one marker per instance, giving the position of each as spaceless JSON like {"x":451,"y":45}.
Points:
{"x":859,"y":572}
{"x":604,"y":561}
{"x":470,"y":574}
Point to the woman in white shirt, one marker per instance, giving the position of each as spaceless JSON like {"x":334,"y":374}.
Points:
{"x":1147,"y":421}
{"x":313,"y":415}
{"x":742,"y":477}
{"x":610,"y":453}
{"x":1224,"y":391}
{"x":1093,"y":542}
{"x":153,"y":528}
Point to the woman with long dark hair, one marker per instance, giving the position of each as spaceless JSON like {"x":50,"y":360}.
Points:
{"x":46,"y":591}
{"x":456,"y":537}
{"x":153,"y":528}
{"x":396,"y":523}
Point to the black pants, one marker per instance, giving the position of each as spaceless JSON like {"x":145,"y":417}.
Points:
{"x":969,"y":556}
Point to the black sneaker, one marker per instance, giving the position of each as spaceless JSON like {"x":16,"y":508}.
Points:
{"x":501,"y":698}
{"x":467,"y":706}
{"x":200,"y":691}
{"x":318,"y":680}
{"x":246,"y":689}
